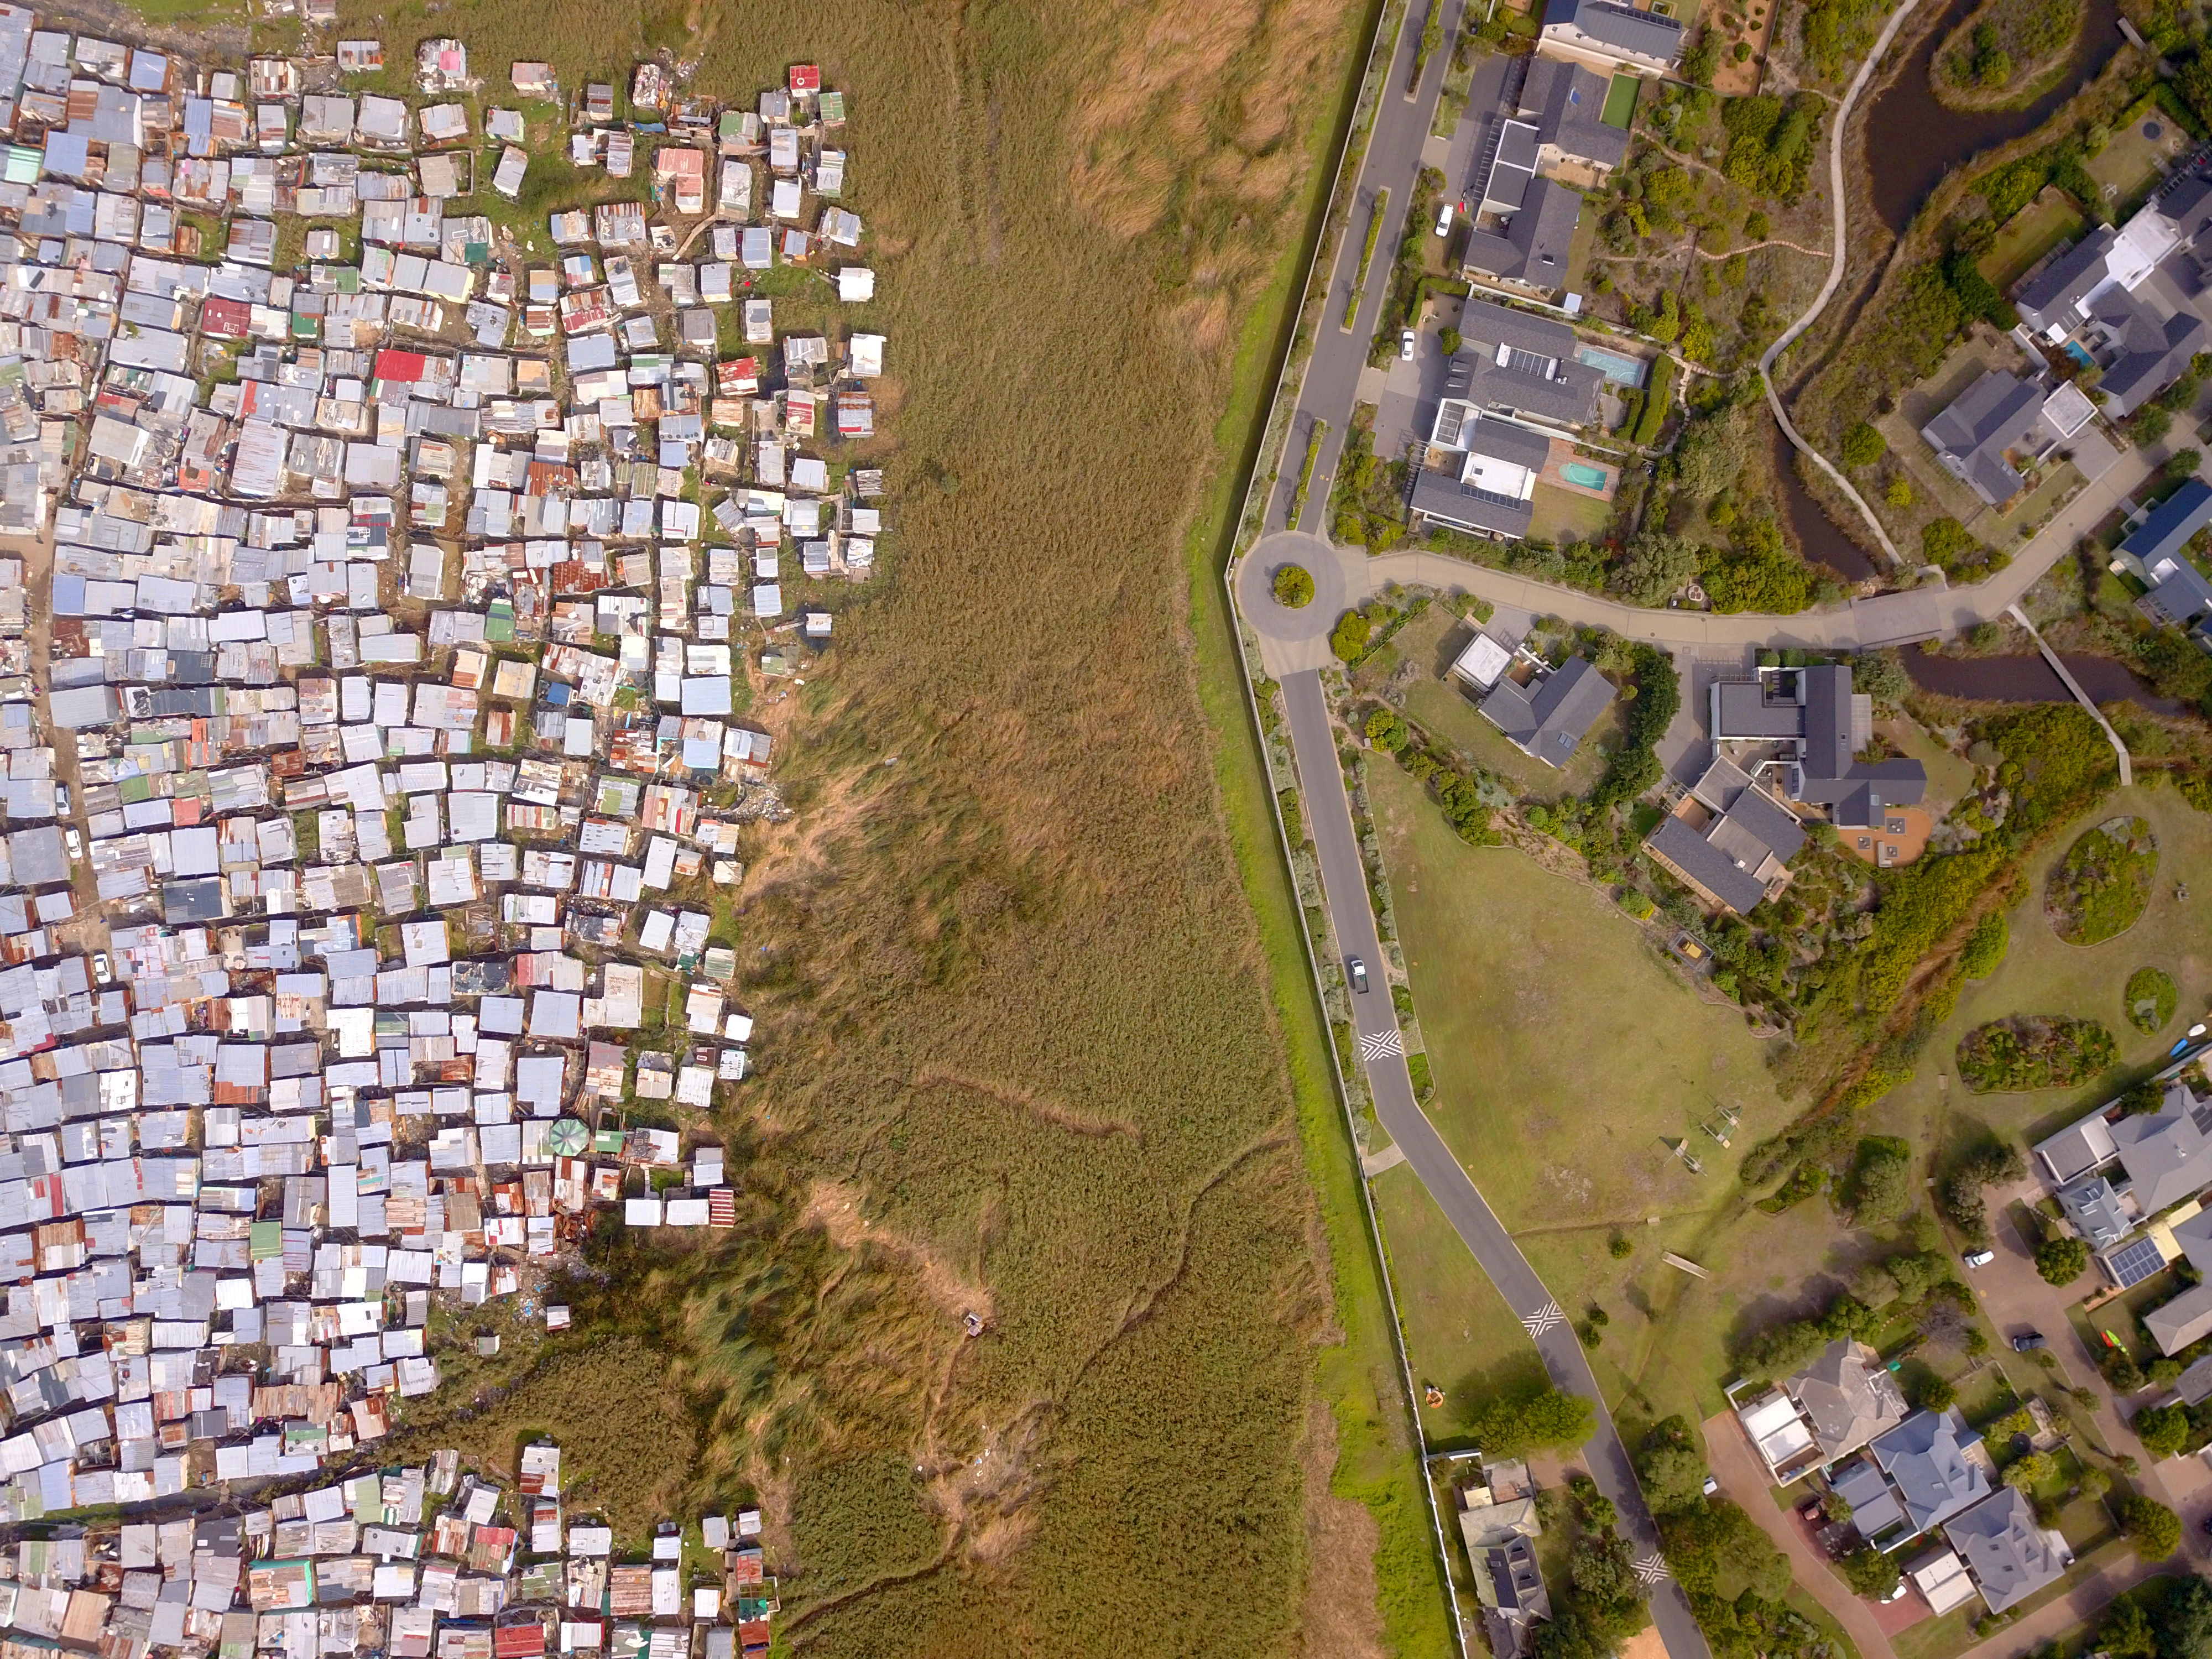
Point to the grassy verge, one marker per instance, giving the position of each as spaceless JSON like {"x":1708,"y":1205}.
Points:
{"x":1305,"y":473}
{"x":1361,"y":1375}
{"x":1366,"y":255}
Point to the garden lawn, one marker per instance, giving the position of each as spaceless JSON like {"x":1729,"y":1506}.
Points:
{"x":2042,"y":974}
{"x":1460,"y":1334}
{"x":1568,"y":1054}
{"x":2131,"y":164}
{"x":1567,"y":514}
{"x":2049,"y":220}
{"x":1447,"y":710}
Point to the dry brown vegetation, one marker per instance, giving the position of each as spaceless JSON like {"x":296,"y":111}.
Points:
{"x":1012,"y":998}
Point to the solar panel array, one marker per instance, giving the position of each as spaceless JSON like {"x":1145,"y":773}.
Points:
{"x":2134,"y":1262}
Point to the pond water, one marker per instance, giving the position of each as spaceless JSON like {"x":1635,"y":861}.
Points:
{"x":1816,"y":535}
{"x":1912,"y":141}
{"x":2031,"y":679}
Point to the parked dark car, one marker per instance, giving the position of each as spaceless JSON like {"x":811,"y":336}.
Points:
{"x":2028,"y":1342}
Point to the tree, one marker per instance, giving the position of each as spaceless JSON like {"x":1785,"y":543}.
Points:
{"x":2184,"y":1623}
{"x":2181,"y":464}
{"x":2024,"y":1475}
{"x":1448,"y":338}
{"x":1506,"y":1428}
{"x":1900,"y":493}
{"x":2151,"y":425}
{"x":2124,"y":1632}
{"x":1863,"y":445}
{"x":1387,"y":732}
{"x":1348,"y":639}
{"x":1654,"y":568}
{"x":1945,"y":543}
{"x":1881,"y":1180}
{"x":1985,"y":946}
{"x":1602,"y":1568}
{"x":1294,"y":586}
{"x":2163,"y":1430}
{"x":2062,"y":1260}
{"x":1935,"y":1393}
{"x":1880,"y":675}
{"x":1868,"y":1572}
{"x":2154,"y":1530}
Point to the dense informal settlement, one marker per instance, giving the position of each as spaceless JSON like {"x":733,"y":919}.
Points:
{"x":390,"y":575}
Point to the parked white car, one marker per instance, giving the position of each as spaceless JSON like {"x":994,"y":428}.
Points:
{"x":1443,"y":219}
{"x":1980,"y":1258}
{"x":1406,"y":346}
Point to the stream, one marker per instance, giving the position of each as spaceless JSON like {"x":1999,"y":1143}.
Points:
{"x":2031,"y":679}
{"x":1911,"y":141}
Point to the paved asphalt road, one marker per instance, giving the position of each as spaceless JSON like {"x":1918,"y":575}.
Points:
{"x":1344,"y":883}
{"x":1393,"y":159}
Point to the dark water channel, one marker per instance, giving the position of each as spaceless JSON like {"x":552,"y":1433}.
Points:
{"x":2031,"y":679}
{"x":1809,"y":526}
{"x":1912,"y":141}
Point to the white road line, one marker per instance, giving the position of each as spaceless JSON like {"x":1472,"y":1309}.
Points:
{"x":1374,"y":1045}
{"x":1545,"y":1318}
{"x":1652,"y":1570}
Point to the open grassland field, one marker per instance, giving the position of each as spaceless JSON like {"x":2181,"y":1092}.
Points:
{"x":1462,"y":1336}
{"x":2042,"y":974}
{"x":1569,"y":1056}
{"x":1021,"y":1057}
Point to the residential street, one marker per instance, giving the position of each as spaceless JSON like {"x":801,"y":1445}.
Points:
{"x":1328,"y":811}
{"x":1393,"y":159}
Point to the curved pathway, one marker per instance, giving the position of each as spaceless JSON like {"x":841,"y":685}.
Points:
{"x":1836,"y":280}
{"x":1383,"y":1056}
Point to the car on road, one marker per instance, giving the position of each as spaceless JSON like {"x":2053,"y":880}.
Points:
{"x":102,"y":970}
{"x":1406,"y":346}
{"x":74,"y":841}
{"x":1711,"y":1486}
{"x":62,"y":801}
{"x":1443,"y":219}
{"x":1980,"y":1258}
{"x":1358,"y":971}
{"x":2029,"y":1341}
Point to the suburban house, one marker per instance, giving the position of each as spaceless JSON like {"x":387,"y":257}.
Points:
{"x":2001,"y":424}
{"x":1807,"y":727}
{"x":1549,"y":715}
{"x":2133,"y":302}
{"x":1929,"y":1473}
{"x":1524,"y":365}
{"x":1557,"y":135}
{"x":1479,"y":473}
{"x":2112,"y":1172}
{"x":1497,"y":1521}
{"x":1729,"y":842}
{"x":1566,"y":104}
{"x":1829,"y":1409}
{"x":2010,"y":1557}
{"x":1935,"y":1465}
{"x":1646,"y":41}
{"x":1531,"y":250}
{"x":2156,"y":552}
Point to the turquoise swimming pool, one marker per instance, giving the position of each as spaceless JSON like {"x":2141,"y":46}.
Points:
{"x":1621,"y":371}
{"x":1589,"y":477}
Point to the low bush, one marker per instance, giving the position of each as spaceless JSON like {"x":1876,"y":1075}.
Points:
{"x":2152,"y":997}
{"x":2038,"y":1051}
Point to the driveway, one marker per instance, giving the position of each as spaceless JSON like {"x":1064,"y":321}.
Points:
{"x":1744,"y":1481}
{"x":2016,"y":1299}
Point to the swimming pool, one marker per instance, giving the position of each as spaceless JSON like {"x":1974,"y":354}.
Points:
{"x":1589,"y":477}
{"x":1621,"y":371}
{"x":2080,"y":355}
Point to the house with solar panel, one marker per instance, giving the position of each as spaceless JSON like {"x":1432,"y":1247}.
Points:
{"x":2113,"y":1172}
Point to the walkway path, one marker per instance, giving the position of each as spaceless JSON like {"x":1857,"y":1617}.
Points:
{"x":1743,"y":1480}
{"x":1842,"y":259}
{"x":1381,"y":1052}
